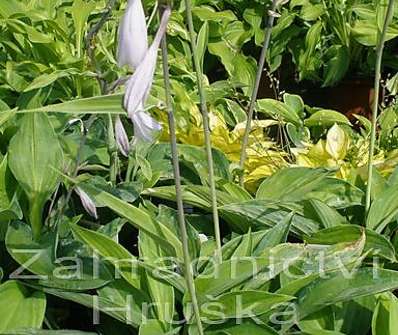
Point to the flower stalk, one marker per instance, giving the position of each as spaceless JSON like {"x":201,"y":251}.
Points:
{"x":112,"y":151}
{"x":206,"y":130}
{"x":375,"y":105}
{"x":253,"y":99}
{"x":177,"y":178}
{"x":90,"y":45}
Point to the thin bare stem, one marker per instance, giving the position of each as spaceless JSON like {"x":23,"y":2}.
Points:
{"x":90,"y":45}
{"x":375,"y":105}
{"x":112,"y":151}
{"x":206,"y":130}
{"x":253,"y":99}
{"x":177,"y":178}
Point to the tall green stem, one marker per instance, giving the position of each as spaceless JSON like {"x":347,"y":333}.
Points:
{"x":35,"y":216}
{"x":112,"y":150}
{"x":375,"y":105}
{"x":90,"y":46}
{"x":181,"y":218}
{"x":206,"y":130}
{"x":253,"y":99}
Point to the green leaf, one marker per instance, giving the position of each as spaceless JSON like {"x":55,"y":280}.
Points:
{"x":294,"y":102}
{"x":231,"y":273}
{"x":328,"y":216}
{"x":236,"y":191}
{"x":244,"y":72}
{"x":106,"y":104}
{"x":121,"y":293}
{"x":21,"y":246}
{"x":291,"y":184}
{"x":35,"y":36}
{"x":307,"y":59}
{"x":145,"y":167}
{"x":383,"y":210}
{"x":34,"y":156}
{"x":246,"y":327}
{"x":326,"y":118}
{"x":104,"y":305}
{"x":245,"y":247}
{"x":385,"y":316}
{"x":365,"y":32}
{"x":20,"y":307}
{"x":48,"y":332}
{"x":196,"y":156}
{"x":151,"y":253}
{"x":116,"y":254}
{"x":362,"y":308}
{"x":46,"y":79}
{"x":81,"y":11}
{"x":317,"y":323}
{"x":11,"y":7}
{"x":339,"y":287}
{"x":381,"y":14}
{"x":138,"y":218}
{"x":237,"y":304}
{"x":322,"y":259}
{"x":195,"y":195}
{"x":38,"y":257}
{"x":276,"y":235}
{"x":151,"y":327}
{"x":375,"y":243}
{"x":9,"y":205}
{"x":260,"y":214}
{"x":278,"y":110}
{"x":254,"y":18}
{"x":205,"y":13}
{"x":337,"y":66}
{"x":311,"y":12}
{"x":201,"y":43}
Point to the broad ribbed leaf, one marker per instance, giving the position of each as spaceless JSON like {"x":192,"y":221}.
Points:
{"x":106,"y":104}
{"x":326,"y":118}
{"x":151,"y":253}
{"x":339,"y":287}
{"x":383,"y":210}
{"x":279,"y":111}
{"x":291,"y":184}
{"x":385,"y":316}
{"x":121,"y":312}
{"x":138,"y":218}
{"x":112,"y":251}
{"x":9,"y":205}
{"x":375,"y":243}
{"x":328,"y":216}
{"x":234,"y":272}
{"x":235,"y":305}
{"x":261,"y":214}
{"x":38,"y":257}
{"x":34,"y":156}
{"x":301,"y":183}
{"x":48,"y":332}
{"x":20,"y":307}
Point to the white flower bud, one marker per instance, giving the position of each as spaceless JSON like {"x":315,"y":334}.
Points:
{"x":87,"y":202}
{"x":133,"y":36}
{"x":122,"y":139}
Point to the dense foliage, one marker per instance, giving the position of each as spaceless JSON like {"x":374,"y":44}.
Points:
{"x":89,"y":238}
